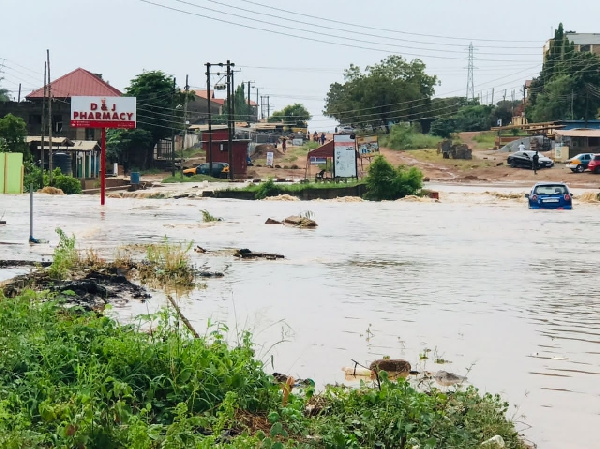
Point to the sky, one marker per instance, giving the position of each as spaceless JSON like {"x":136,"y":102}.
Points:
{"x":291,"y":51}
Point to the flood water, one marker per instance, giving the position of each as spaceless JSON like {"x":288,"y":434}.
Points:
{"x":508,"y":296}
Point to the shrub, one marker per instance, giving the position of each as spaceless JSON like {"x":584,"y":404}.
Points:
{"x":405,"y":137}
{"x":67,"y":184}
{"x":65,"y":256}
{"x":265,"y":189}
{"x":384,"y":182}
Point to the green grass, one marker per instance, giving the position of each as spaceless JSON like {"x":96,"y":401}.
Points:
{"x":485,"y":140}
{"x":403,"y":137}
{"x":270,"y":188}
{"x":72,"y":379}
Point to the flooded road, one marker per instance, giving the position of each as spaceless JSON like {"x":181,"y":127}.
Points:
{"x":506,"y":295}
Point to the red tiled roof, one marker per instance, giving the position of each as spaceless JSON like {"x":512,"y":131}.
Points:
{"x":79,"y":82}
{"x":202,"y":94}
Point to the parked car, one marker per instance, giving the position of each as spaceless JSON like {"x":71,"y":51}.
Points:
{"x":524,"y":159}
{"x":594,"y":164}
{"x":219,"y":170}
{"x":579,"y":163}
{"x":550,"y":195}
{"x":345,"y":129}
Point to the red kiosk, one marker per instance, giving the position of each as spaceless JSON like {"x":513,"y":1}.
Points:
{"x":103,"y":112}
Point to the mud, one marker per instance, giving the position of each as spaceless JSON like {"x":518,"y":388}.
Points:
{"x":89,"y":288}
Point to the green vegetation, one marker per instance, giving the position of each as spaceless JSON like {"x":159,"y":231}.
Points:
{"x":270,"y":188}
{"x":13,"y":131}
{"x":168,"y":264}
{"x":486,"y":140}
{"x":385,"y":182}
{"x":207,"y":217}
{"x":65,"y":256}
{"x":383,"y":93}
{"x":76,"y":379}
{"x":567,"y":87}
{"x":406,"y":137}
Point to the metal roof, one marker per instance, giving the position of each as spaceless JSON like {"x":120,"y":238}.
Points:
{"x":578,"y":132}
{"x":79,"y":82}
{"x":584,"y":38}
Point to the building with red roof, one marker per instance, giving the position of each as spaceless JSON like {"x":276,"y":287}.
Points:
{"x":78,"y":83}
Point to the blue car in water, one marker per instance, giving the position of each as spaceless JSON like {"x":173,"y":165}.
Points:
{"x":550,"y":195}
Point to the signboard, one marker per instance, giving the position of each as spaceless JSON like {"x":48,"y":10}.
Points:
{"x":297,"y":142}
{"x":368,"y":146}
{"x":318,"y":160}
{"x":344,"y":156}
{"x":269,"y":158}
{"x":103,"y":112}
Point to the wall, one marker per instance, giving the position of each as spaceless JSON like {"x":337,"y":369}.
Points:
{"x":11,"y":173}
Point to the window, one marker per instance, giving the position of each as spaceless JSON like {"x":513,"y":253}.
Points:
{"x":594,"y":141}
{"x":35,"y":119}
{"x":585,"y":47}
{"x":89,"y":133}
{"x":57,"y":124}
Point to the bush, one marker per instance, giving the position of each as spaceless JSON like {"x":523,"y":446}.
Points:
{"x":405,"y":137}
{"x":67,"y":184}
{"x":265,"y":189}
{"x":385,"y":182}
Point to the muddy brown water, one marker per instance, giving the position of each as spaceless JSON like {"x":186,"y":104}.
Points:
{"x":505,"y":294}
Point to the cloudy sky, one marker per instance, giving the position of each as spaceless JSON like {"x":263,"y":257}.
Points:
{"x":292,"y":51}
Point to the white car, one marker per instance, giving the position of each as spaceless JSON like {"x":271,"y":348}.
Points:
{"x":579,"y":163}
{"x":346,"y":129}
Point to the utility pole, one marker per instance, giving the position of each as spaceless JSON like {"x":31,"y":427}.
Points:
{"x":492,"y":96}
{"x":232,"y":92}
{"x":470,"y":84}
{"x":229,"y":120}
{"x":185,"y":126}
{"x":249,"y":106}
{"x":50,"y":118}
{"x":268,"y":108}
{"x":256,"y":103}
{"x":19,"y":96}
{"x":172,"y":126}
{"x":43,"y":131}
{"x":209,"y":149}
{"x":262,"y":107}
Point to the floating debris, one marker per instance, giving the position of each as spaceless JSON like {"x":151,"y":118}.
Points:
{"x":247,"y":254}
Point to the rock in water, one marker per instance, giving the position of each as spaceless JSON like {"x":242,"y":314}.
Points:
{"x":302,"y":222}
{"x":271,"y":221}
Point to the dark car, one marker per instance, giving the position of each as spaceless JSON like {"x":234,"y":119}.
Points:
{"x":550,"y":195}
{"x":594,"y":164}
{"x":524,"y":159}
{"x":219,"y":170}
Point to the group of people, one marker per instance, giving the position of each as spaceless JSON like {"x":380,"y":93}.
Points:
{"x":316,"y":138}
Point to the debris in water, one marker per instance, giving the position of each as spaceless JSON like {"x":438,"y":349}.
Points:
{"x":247,"y":254}
{"x":271,"y":221}
{"x":446,"y":379}
{"x":394,"y":367}
{"x":302,"y":222}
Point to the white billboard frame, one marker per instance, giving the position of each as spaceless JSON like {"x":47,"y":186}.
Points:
{"x":344,"y":156}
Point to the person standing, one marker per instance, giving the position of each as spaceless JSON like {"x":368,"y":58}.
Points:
{"x":323,"y":138}
{"x":522,"y":147}
{"x":315,"y":137}
{"x":536,"y":162}
{"x":284,"y":144}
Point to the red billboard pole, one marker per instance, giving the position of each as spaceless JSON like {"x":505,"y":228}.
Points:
{"x":103,"y":167}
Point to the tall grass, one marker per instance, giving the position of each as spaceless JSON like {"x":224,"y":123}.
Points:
{"x":65,"y":256}
{"x":404,"y":137}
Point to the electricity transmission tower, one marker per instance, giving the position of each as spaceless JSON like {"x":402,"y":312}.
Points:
{"x":470,"y":84}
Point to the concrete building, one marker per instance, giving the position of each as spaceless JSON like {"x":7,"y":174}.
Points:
{"x":582,"y":42}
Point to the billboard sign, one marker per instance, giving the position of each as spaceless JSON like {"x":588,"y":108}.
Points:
{"x":368,"y":146}
{"x":103,"y":112}
{"x":344,"y":156}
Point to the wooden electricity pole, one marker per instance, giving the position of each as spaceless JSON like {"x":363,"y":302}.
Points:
{"x":43,"y":131}
{"x":229,"y":121}
{"x":185,"y":126}
{"x":49,"y":117}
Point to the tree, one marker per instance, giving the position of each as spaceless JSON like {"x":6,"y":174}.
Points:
{"x":293,"y":115}
{"x":474,"y":117}
{"x":13,"y":131}
{"x":123,"y":147}
{"x":384,"y":182}
{"x":159,"y":112}
{"x":242,"y":109}
{"x":4,"y":94}
{"x":567,"y":87}
{"x":393,"y":90}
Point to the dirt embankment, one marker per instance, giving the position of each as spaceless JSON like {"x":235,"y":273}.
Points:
{"x":488,"y":166}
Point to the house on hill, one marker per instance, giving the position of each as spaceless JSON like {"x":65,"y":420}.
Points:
{"x":79,"y":82}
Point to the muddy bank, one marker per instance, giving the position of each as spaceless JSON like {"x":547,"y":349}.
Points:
{"x":89,"y":288}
